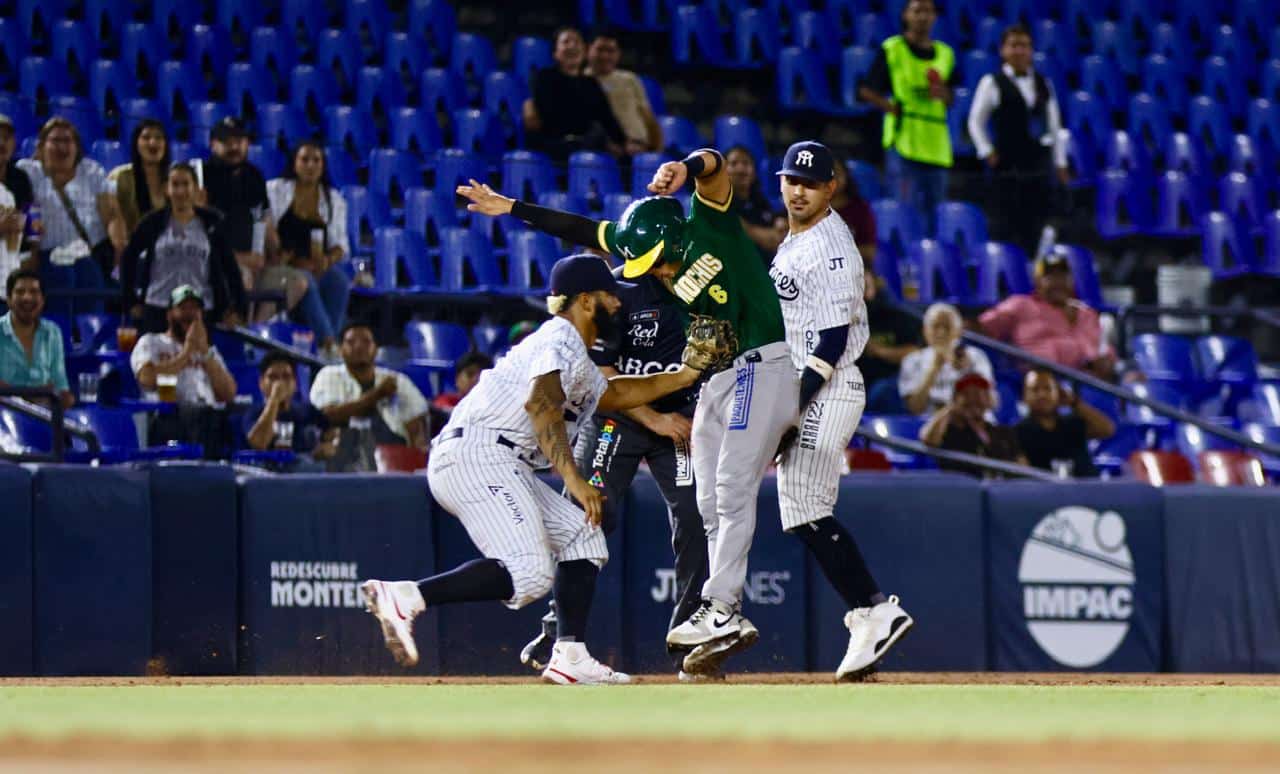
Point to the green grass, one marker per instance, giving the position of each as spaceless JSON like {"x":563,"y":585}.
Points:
{"x":659,"y":712}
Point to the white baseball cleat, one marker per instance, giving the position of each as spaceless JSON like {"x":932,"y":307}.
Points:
{"x":713,"y":620}
{"x":689,"y":677}
{"x":395,"y":604}
{"x":708,"y":658}
{"x":872,"y":631}
{"x":571,"y":664}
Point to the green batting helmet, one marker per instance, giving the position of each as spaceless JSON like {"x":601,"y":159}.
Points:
{"x":649,"y":229}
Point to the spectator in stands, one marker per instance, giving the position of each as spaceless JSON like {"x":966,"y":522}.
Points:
{"x":140,"y":184}
{"x":519,"y":331}
{"x":283,"y":423}
{"x":912,"y":81}
{"x":569,"y":111}
{"x":180,"y":245}
{"x":765,"y":227}
{"x":373,"y":405}
{"x":13,"y":177}
{"x":1022,"y":108}
{"x":15,"y":203}
{"x":895,"y":334}
{"x":1055,"y":441}
{"x":83,"y":232}
{"x":467,"y":371}
{"x":625,"y":92}
{"x":203,"y":383}
{"x":1051,"y":323}
{"x":928,"y":377}
{"x":310,"y":220}
{"x":962,"y":426}
{"x":849,"y":204}
{"x":12,"y":223}
{"x":31,"y":353}
{"x":236,"y":188}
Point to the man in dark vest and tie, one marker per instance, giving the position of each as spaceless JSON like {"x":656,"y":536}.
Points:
{"x":1014,"y":123}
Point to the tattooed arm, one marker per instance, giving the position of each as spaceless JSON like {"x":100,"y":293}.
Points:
{"x":546,"y":410}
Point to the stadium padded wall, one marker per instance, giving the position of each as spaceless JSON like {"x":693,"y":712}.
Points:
{"x":187,"y":570}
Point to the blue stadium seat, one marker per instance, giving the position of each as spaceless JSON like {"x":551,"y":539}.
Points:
{"x":1172,"y":393}
{"x":1252,"y":159}
{"x":269,"y":160}
{"x":429,"y":213}
{"x":615,"y":204}
{"x":202,"y":116}
{"x":175,"y":17}
{"x":1084,"y":271}
{"x":74,"y":47}
{"x":1109,"y":38}
{"x":898,"y":426}
{"x":565,"y":202}
{"x":961,"y":225}
{"x":531,"y":255}
{"x":395,"y":248}
{"x":855,"y":62}
{"x":1169,"y":41}
{"x":1101,"y":77}
{"x":311,"y":89}
{"x":696,"y":37}
{"x":186,"y":151}
{"x":1257,"y":20}
{"x":489,"y":338}
{"x":135,"y":110}
{"x":1052,"y":37}
{"x":350,"y":129}
{"x":989,"y":30}
{"x":1208,"y":123}
{"x":273,"y":50}
{"x":472,"y":59}
{"x":1002,"y":271}
{"x":886,"y":268}
{"x":1234,"y":46}
{"x":526,"y":174}
{"x":109,"y":153}
{"x":940,"y":272}
{"x":1110,"y":455}
{"x":142,"y":48}
{"x":1267,"y":397}
{"x":240,"y":16}
{"x":109,"y":86}
{"x":301,"y":21}
{"x":802,"y":81}
{"x":339,"y":57}
{"x":740,"y":130}
{"x":1227,"y":250}
{"x":370,"y":20}
{"x":1268,"y":263}
{"x":435,"y":23}
{"x":816,"y":31}
{"x":40,"y":79}
{"x":1191,"y":441}
{"x":653,"y":90}
{"x":1182,"y":153}
{"x":19,"y":111}
{"x":101,"y":17}
{"x":1221,"y":82}
{"x":503,"y":100}
{"x":1227,"y":361}
{"x":755,"y":38}
{"x":643,"y":167}
{"x":530,"y":54}
{"x":1088,"y":119}
{"x":1180,"y":206}
{"x":117,"y":435}
{"x":865,"y":177}
{"x":976,"y":64}
{"x":872,"y":29}
{"x":467,"y":263}
{"x":179,"y":84}
{"x":593,"y":175}
{"x":897,"y":224}
{"x":1263,"y":125}
{"x":441,"y":341}
{"x":1081,"y":158}
{"x":378,"y":92}
{"x":366,"y":213}
{"x":1139,"y":20}
{"x":477,"y":133}
{"x":1239,"y":198}
{"x":415,"y":130}
{"x":958,"y":123}
{"x":1123,"y":152}
{"x":249,"y":86}
{"x":37,"y":17}
{"x":441,"y":91}
{"x":454,"y":167}
{"x":82,"y":113}
{"x":282,"y":126}
{"x":680,"y":135}
{"x":392,"y":173}
{"x":1149,"y":122}
{"x":13,"y":48}
{"x":1270,"y":80}
{"x":404,"y":57}
{"x":1122,"y":205}
{"x":1163,"y":78}
{"x":208,"y":50}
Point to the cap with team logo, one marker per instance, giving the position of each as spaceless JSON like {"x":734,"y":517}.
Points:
{"x":227,"y":128}
{"x":809,"y":160}
{"x":583,"y":273}
{"x":184,"y":293}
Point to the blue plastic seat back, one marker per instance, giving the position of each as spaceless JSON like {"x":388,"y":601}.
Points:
{"x":1163,"y":78}
{"x":940,"y":272}
{"x":1227,"y":251}
{"x":1182,"y":153}
{"x":504,"y":97}
{"x":249,"y":85}
{"x":476,"y":132}
{"x":208,"y":50}
{"x":961,"y":225}
{"x":1085,"y":273}
{"x":1239,"y":197}
{"x":311,"y":89}
{"x":468,"y":262}
{"x":378,"y":92}
{"x":1179,"y":206}
{"x":282,"y":125}
{"x":680,"y":135}
{"x":866,"y":177}
{"x":441,"y":91}
{"x":1209,"y":123}
{"x":802,"y":81}
{"x":740,"y":130}
{"x":897,"y":224}
{"x":643,"y":167}
{"x":350,"y":129}
{"x":429,"y":214}
{"x":1123,"y":206}
{"x":817,"y":31}
{"x":392,"y":173}
{"x":531,"y":254}
{"x":472,"y":58}
{"x":273,"y":50}
{"x":525,"y":174}
{"x":593,"y":175}
{"x":339,"y":57}
{"x":434,"y":22}
{"x":416,"y":130}
{"x":489,"y":338}
{"x":115,"y":428}
{"x":855,"y":63}
{"x":366,"y":213}
{"x":530,"y":54}
{"x":1227,"y":360}
{"x":1002,"y":271}
{"x":436,"y":340}
{"x":756,"y":40}
{"x":1149,"y":122}
{"x":455,"y":167}
{"x":1221,"y":81}
{"x":1164,"y":357}
{"x":396,"y":248}
{"x":697,"y":37}
{"x":40,"y":79}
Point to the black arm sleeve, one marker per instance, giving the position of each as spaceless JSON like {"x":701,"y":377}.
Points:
{"x":877,"y":78}
{"x":830,"y":346}
{"x":563,"y":225}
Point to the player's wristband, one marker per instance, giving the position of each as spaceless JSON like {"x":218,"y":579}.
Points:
{"x":694,"y":163}
{"x":820,"y":367}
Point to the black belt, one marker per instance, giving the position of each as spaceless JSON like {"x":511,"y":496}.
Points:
{"x":449,"y":435}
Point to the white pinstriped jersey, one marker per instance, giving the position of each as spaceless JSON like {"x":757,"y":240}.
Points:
{"x":497,"y":401}
{"x":818,"y":276}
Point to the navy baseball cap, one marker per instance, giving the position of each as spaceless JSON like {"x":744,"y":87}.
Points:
{"x":583,"y":273}
{"x":809,"y":160}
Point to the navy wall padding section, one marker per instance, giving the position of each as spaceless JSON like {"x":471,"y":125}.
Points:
{"x":92,"y":550}
{"x":15,"y":571}
{"x":320,"y":536}
{"x":922,"y":537}
{"x":1223,"y":571}
{"x":649,"y":587}
{"x":193,"y":517}
{"x":1076,"y":574}
{"x":486,"y":637}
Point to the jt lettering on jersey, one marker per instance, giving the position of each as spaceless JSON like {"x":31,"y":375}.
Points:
{"x":698,"y":277}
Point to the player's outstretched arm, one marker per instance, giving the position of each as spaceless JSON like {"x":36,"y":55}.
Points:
{"x":707,"y":169}
{"x":545,"y":406}
{"x":557,"y":223}
{"x":628,"y":392}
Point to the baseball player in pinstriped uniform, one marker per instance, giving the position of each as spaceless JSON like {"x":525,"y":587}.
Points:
{"x":818,"y":276}
{"x":521,"y":416}
{"x":712,"y":266}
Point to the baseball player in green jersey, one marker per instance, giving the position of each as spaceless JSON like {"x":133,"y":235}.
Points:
{"x":712,"y":266}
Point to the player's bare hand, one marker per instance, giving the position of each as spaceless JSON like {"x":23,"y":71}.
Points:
{"x":386,"y":388}
{"x":674,"y":426}
{"x":590,"y":498}
{"x":484,"y":199}
{"x":669,"y":178}
{"x":784,"y":445}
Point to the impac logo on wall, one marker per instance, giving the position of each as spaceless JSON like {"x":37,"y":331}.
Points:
{"x":1077,"y":585}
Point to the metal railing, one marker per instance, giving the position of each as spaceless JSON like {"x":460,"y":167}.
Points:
{"x":20,"y":399}
{"x":1127,"y":314}
{"x":986,"y":463}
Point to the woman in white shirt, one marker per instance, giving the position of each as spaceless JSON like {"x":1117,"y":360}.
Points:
{"x":310,"y":218}
{"x":928,"y":375}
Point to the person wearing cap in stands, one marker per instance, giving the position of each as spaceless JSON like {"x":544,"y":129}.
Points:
{"x":236,"y":188}
{"x":962,"y":426}
{"x":1052,"y":323}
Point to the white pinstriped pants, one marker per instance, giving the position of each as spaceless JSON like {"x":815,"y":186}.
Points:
{"x":809,"y":478}
{"x":510,"y":514}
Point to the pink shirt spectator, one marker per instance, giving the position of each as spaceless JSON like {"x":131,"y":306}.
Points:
{"x":1029,"y":322}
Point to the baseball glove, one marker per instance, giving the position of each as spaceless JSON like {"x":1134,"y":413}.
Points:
{"x":711,"y":344}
